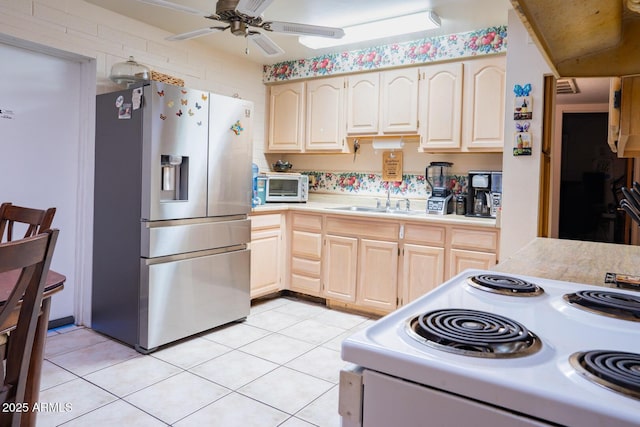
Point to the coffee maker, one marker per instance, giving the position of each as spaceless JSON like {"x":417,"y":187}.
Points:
{"x":484,"y":197}
{"x":439,"y":179}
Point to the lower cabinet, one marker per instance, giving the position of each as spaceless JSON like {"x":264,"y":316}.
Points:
{"x":377,"y":275}
{"x":266,"y":254}
{"x":306,"y":253}
{"x":339,"y":268}
{"x":472,"y":248}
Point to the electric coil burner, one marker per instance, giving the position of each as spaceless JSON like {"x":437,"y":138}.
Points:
{"x":615,"y":370}
{"x":505,"y":285}
{"x":473,"y":333}
{"x":613,"y":304}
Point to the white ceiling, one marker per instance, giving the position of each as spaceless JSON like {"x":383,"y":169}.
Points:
{"x":456,"y":15}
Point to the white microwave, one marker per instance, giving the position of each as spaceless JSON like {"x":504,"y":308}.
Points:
{"x":283,"y":187}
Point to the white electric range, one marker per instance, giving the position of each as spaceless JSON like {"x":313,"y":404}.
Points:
{"x":487,"y":348}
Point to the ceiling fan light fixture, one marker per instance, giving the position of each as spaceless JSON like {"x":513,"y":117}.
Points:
{"x":404,"y":24}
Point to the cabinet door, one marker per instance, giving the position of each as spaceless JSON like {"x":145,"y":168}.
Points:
{"x":378,"y":274}
{"x":363,"y":103}
{"x":441,"y":106}
{"x":461,"y":260}
{"x":325,"y":114}
{"x":339,"y":268}
{"x":422,"y":270}
{"x":484,"y":103}
{"x":399,"y":100}
{"x":286,"y":117}
{"x":266,"y":249}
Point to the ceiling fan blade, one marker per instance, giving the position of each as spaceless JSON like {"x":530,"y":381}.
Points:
{"x":196,"y":33}
{"x":266,"y":45}
{"x":175,"y":6}
{"x":253,"y":7}
{"x":304,"y":29}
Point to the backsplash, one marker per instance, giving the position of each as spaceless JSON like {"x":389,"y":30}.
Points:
{"x":371,"y":184}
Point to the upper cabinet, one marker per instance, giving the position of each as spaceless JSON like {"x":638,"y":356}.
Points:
{"x":484,"y":104}
{"x":441,"y":106}
{"x":286,"y":117}
{"x":454,"y":107}
{"x":383,"y":103}
{"x":325,"y":114}
{"x":363,"y":103}
{"x":399,"y":101}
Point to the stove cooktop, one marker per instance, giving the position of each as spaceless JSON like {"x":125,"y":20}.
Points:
{"x":541,"y":381}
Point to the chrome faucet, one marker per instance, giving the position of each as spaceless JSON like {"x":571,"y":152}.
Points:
{"x":388,"y":203}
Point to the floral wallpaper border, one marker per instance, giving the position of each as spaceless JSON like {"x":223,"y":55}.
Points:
{"x":486,"y":41}
{"x":371,"y":184}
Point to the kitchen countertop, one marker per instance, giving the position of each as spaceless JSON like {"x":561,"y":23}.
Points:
{"x":573,"y":261}
{"x":326,"y":204}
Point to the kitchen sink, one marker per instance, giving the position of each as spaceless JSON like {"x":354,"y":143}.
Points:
{"x":376,"y":210}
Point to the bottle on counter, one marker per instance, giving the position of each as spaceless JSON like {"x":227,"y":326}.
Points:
{"x":461,"y":204}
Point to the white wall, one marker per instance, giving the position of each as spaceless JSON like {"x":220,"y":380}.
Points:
{"x":521,"y":175}
{"x":73,"y":29}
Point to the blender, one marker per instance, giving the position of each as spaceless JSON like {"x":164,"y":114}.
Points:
{"x":438,"y":177}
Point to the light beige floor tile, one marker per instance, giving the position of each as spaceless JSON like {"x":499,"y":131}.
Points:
{"x":94,"y":357}
{"x":302,"y":309}
{"x":64,"y":343}
{"x":320,"y":362}
{"x":176,"y":397}
{"x":295,"y":422}
{"x":340,"y":319}
{"x":312,"y":331}
{"x":236,"y":335}
{"x":118,"y":413}
{"x":323,"y":411}
{"x":133,"y":375}
{"x":286,"y":389}
{"x":190,"y":353}
{"x":75,"y":398}
{"x":265,"y":305}
{"x":277,"y":348}
{"x":335,"y":343}
{"x":272,"y":320}
{"x":53,"y":375}
{"x":235,"y":410}
{"x":234,"y":369}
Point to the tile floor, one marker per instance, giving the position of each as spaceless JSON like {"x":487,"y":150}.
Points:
{"x":280,"y":367}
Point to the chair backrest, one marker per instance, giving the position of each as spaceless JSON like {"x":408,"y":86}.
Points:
{"x":32,"y":256}
{"x":35,"y":220}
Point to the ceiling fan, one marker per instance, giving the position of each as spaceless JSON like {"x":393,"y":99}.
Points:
{"x":242,"y":17}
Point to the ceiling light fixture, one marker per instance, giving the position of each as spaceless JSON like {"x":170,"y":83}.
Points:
{"x":404,"y":24}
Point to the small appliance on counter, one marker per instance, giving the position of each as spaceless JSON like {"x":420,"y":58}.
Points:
{"x":283,"y":187}
{"x":438,"y":177}
{"x":485,"y":193}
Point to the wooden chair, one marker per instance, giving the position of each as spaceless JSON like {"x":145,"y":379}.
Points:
{"x":35,"y":220}
{"x":32,"y":256}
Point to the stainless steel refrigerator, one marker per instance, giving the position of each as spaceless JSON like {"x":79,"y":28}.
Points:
{"x":172,"y":194}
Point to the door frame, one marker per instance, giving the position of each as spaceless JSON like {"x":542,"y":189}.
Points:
{"x":86,"y":137}
{"x":556,"y":157}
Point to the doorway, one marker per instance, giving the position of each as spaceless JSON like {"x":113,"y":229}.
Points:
{"x":590,"y":180}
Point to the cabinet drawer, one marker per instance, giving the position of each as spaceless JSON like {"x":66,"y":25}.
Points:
{"x":306,"y":244}
{"x":307,"y":222}
{"x":474,"y":239}
{"x":265,"y":221}
{"x":365,"y":228}
{"x":305,"y":266}
{"x":422,"y":234}
{"x":301,"y":283}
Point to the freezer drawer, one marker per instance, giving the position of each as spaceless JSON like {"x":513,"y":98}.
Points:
{"x":163,"y":238}
{"x":184,"y":297}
